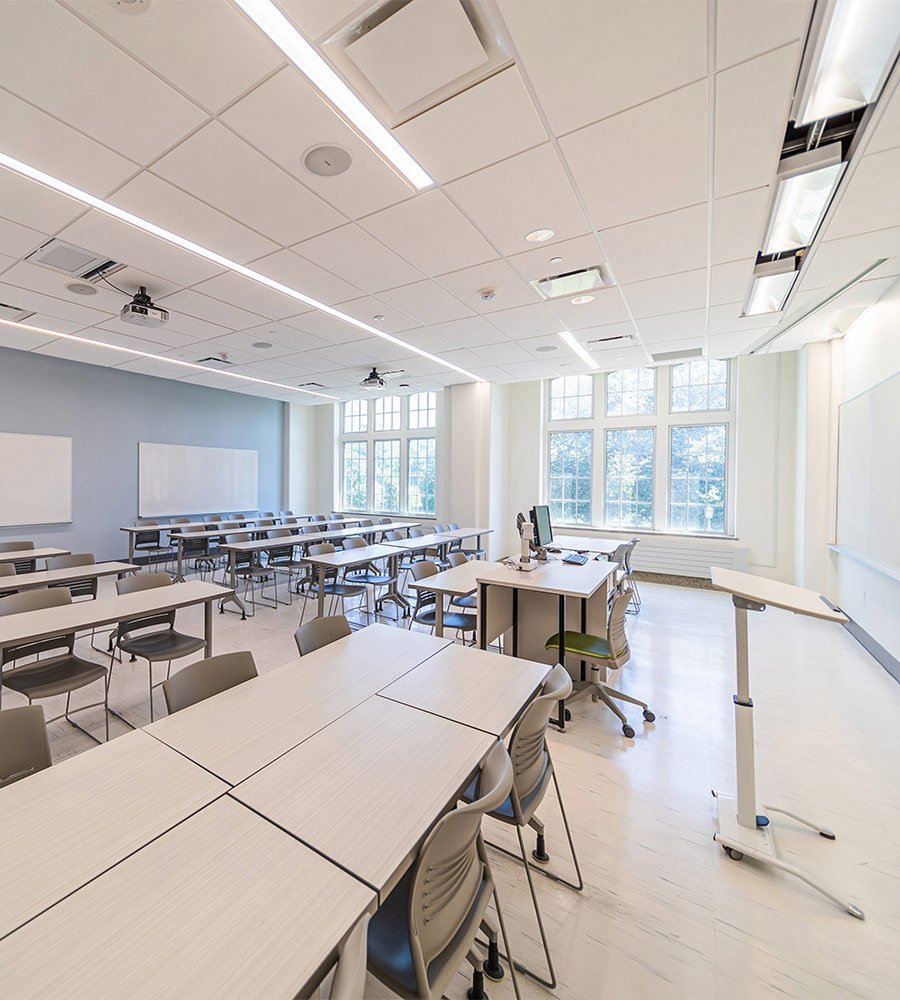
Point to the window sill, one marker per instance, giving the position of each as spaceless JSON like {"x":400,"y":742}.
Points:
{"x":631,"y":532}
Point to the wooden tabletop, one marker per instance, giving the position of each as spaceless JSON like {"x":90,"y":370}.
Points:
{"x":34,"y":625}
{"x":73,"y":574}
{"x":582,"y":543}
{"x":223,"y":905}
{"x":239,"y":731}
{"x":352,"y":557}
{"x":458,"y":580}
{"x":26,"y":555}
{"x":774,"y":593}
{"x":552,"y":577}
{"x":437,"y":538}
{"x":471,"y":686}
{"x":63,"y":826}
{"x":366,"y":790}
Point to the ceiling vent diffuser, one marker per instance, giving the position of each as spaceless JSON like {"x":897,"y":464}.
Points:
{"x":217,"y":361}
{"x":599,"y":343}
{"x":561,"y":286}
{"x":14,"y":313}
{"x":73,"y":261}
{"x":694,"y":352}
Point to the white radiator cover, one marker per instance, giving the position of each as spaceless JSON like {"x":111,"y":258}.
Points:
{"x":689,"y":557}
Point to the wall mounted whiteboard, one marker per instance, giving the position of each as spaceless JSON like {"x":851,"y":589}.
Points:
{"x":186,"y":479}
{"x":35,"y":479}
{"x":869,"y":474}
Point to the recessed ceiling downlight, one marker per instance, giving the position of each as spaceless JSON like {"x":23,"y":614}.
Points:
{"x":81,"y":288}
{"x":581,"y":300}
{"x":327,"y":161}
{"x":540,"y":235}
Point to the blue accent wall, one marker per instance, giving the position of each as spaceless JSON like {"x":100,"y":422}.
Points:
{"x":107,"y":412}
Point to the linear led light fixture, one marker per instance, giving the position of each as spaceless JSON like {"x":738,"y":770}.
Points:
{"x":574,"y":345}
{"x":269,"y":19}
{"x":770,"y":286}
{"x":854,"y":45}
{"x":158,"y":357}
{"x":804,"y":185}
{"x":861,"y":276}
{"x":17,"y":166}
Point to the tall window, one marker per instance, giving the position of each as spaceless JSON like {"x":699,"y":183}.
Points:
{"x":387,"y":413}
{"x":420,"y":476}
{"x":387,"y":475}
{"x":355,"y":465}
{"x":356,"y":414}
{"x":572,"y":397}
{"x":570,"y":476}
{"x":698,"y":458}
{"x":629,"y":477}
{"x":699,"y":385}
{"x":388,"y":454}
{"x":630,"y":391}
{"x":422,"y":410}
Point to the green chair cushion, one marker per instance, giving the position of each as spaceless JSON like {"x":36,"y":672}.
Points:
{"x":589,"y":647}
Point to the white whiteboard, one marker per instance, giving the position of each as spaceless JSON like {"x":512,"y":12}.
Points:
{"x":35,"y":479}
{"x":186,"y":479}
{"x":868,"y":513}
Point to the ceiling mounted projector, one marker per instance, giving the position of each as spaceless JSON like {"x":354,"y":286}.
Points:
{"x":142,"y":312}
{"x":373,"y":380}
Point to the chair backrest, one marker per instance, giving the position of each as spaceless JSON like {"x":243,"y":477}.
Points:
{"x":310,"y":529}
{"x":286,"y":513}
{"x":417,"y":532}
{"x":267,"y":513}
{"x":145,"y":581}
{"x":287,"y":519}
{"x":439,"y":529}
{"x":457,"y":558}
{"x":24,"y":747}
{"x":320,"y":632}
{"x":7,"y":569}
{"x":615,"y":630}
{"x":631,"y":546}
{"x":451,"y":881}
{"x":265,"y":522}
{"x":36,"y":600}
{"x":213,"y":518}
{"x":453,"y":526}
{"x":337,"y":517}
{"x":204,"y":678}
{"x":78,"y":588}
{"x":393,"y":535}
{"x":367,"y":523}
{"x":237,"y":537}
{"x":422,"y":569}
{"x":321,"y":549}
{"x":279,"y":533}
{"x":334,"y":526}
{"x":181,"y":520}
{"x":15,"y":546}
{"x":620,"y":553}
{"x":385,"y":520}
{"x":318,"y":517}
{"x":527,"y":748}
{"x":354,"y":543}
{"x":350,"y":969}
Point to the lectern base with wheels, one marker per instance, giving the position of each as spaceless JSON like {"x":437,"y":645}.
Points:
{"x":742,"y":828}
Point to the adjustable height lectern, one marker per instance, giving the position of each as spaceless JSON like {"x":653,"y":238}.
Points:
{"x":742,"y":829}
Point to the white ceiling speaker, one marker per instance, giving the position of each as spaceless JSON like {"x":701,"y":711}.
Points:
{"x":133,"y":6}
{"x":81,"y":288}
{"x":327,"y":161}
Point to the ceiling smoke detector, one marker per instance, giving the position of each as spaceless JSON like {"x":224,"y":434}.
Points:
{"x":488,"y":294}
{"x":327,"y":161}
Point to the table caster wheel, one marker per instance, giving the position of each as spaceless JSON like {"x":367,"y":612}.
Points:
{"x":628,"y":731}
{"x":568,"y":716}
{"x":649,"y":716}
{"x":732,"y":853}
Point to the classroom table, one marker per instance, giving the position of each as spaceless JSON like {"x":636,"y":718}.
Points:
{"x":223,"y":905}
{"x":458,"y":581}
{"x":63,"y":826}
{"x":31,"y":555}
{"x":441,"y":539}
{"x":347,"y":559}
{"x":531,"y":613}
{"x":583,"y":543}
{"x":30,"y":626}
{"x":72,"y":574}
{"x":391,"y":768}
{"x":742,"y":829}
{"x":239,"y":731}
{"x":487,"y":691}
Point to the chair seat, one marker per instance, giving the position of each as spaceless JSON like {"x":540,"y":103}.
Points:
{"x":505,"y":812}
{"x":58,"y":675}
{"x":591,"y":647}
{"x":453,"y":619}
{"x":473,"y":552}
{"x":388,"y":937}
{"x":166,"y":645}
{"x":469,"y":601}
{"x":370,"y":579}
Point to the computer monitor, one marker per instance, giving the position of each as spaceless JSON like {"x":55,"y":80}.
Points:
{"x":543,"y":530}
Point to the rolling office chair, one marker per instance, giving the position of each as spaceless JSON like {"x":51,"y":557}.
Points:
{"x":427,"y":925}
{"x":611,"y":652}
{"x":24,"y":747}
{"x":204,"y":678}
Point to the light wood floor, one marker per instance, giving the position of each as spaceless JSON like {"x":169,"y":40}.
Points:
{"x":665,"y":913}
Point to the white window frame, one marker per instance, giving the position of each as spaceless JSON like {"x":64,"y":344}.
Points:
{"x":662,"y":420}
{"x":404,"y":435}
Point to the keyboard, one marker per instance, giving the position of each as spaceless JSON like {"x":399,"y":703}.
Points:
{"x":575,"y":559}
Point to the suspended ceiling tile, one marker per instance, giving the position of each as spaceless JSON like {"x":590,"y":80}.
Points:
{"x":315,"y":18}
{"x":31,"y":204}
{"x":865,"y":205}
{"x":304,"y":276}
{"x":426,"y":301}
{"x":622,"y":357}
{"x":27,"y":298}
{"x":285,"y":336}
{"x":836,"y":261}
{"x":237,"y":290}
{"x":17,"y":240}
{"x":502,"y":353}
{"x":671,"y":293}
{"x":394,"y":321}
{"x":162,"y":336}
{"x":651,"y":248}
{"x":209,"y":309}
{"x":606,"y":57}
{"x":729,"y":282}
{"x":328,"y":328}
{"x":737,"y":226}
{"x":886,"y":130}
{"x":469,"y":332}
{"x":368,"y":186}
{"x":20,"y":340}
{"x":525,"y":321}
{"x":752,"y":105}
{"x":643,"y":178}
{"x":675,"y":326}
{"x":607,"y":307}
{"x":355,"y":256}
{"x":729,"y":345}
{"x":512,"y":198}
{"x":577,"y":254}
{"x":252,"y":189}
{"x":58,"y":82}
{"x":488,"y":122}
{"x":509,"y":289}
{"x":749,"y":28}
{"x":86,"y":353}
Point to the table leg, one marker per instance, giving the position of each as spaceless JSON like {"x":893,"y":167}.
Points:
{"x":515,"y":614}
{"x":233,"y":598}
{"x":321,"y":590}
{"x":561,"y":721}
{"x":439,"y":615}
{"x":208,"y":627}
{"x":393,"y":594}
{"x":179,"y":543}
{"x":482,"y":639}
{"x":131,"y":546}
{"x":743,"y":725}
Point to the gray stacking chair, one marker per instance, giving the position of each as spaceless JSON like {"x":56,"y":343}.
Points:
{"x":611,"y":652}
{"x":425,"y":611}
{"x":149,"y":541}
{"x":7,"y":569}
{"x":321,"y":632}
{"x":160,"y":645}
{"x":79,"y":588}
{"x":24,"y":565}
{"x":248,"y":568}
{"x":533,"y":770}
{"x":24,"y":747}
{"x":350,"y":970}
{"x":456,"y":558}
{"x":281,"y":557}
{"x":204,"y":678}
{"x":336,"y":589}
{"x":426,"y":927}
{"x":368,"y":574}
{"x":60,"y":674}
{"x":635,"y":606}
{"x":196,"y":548}
{"x":318,"y":517}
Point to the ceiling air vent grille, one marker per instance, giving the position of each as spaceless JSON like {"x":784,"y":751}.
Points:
{"x":694,"y":352}
{"x":14,"y":313}
{"x":310,"y":385}
{"x":598,"y":343}
{"x":560,"y":286}
{"x":74,"y":261}
{"x":218,"y":361}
